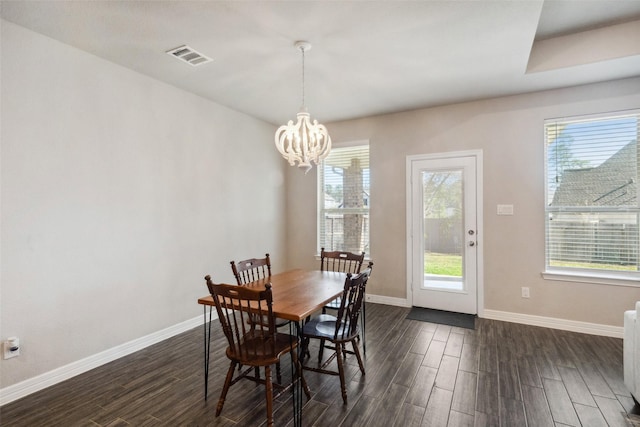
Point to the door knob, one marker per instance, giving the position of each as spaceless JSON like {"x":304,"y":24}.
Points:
{"x":472,"y":243}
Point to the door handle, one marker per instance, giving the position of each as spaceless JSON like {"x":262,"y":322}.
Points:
{"x":472,"y":243}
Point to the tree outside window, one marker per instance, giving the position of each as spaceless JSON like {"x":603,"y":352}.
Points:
{"x":343,"y":206}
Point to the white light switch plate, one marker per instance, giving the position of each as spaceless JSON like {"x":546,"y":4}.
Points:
{"x":505,"y":209}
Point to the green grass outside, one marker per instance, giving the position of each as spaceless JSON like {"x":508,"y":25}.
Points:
{"x":443,"y":264}
{"x":451,"y":265}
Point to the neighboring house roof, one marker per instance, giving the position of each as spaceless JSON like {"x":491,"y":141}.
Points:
{"x":330,"y":202}
{"x":612,"y":183}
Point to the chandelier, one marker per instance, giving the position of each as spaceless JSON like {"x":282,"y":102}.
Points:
{"x":304,"y":141}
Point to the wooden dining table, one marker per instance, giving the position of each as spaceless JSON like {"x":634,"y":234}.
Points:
{"x":297,"y":294}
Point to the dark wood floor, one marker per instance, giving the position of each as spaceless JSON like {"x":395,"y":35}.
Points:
{"x":417,"y":374}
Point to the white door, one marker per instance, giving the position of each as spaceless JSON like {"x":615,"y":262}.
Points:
{"x":443,"y":230}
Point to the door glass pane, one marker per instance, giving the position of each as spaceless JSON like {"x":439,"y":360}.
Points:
{"x":443,"y":229}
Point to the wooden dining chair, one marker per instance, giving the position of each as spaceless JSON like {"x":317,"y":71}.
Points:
{"x":342,"y":329}
{"x":345,"y":262}
{"x":252,"y":344}
{"x":251,"y":269}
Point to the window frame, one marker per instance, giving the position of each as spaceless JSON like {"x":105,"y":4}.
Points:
{"x":573,"y":274}
{"x":321,"y":194}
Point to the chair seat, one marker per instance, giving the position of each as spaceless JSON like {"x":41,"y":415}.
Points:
{"x":261,"y":355}
{"x":265,"y":321}
{"x":335,"y":304}
{"x":324,"y":327}
{"x":325,"y":318}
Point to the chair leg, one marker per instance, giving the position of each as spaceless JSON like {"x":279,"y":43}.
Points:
{"x":343,"y":387}
{"x":305,"y":342}
{"x":357,"y":352}
{"x":320,"y":351}
{"x":364,"y":322}
{"x":278,"y":373}
{"x":225,"y":388}
{"x":269,"y":395}
{"x":305,"y":348}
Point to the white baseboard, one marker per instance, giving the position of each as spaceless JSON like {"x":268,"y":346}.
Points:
{"x":550,"y":322}
{"x":526,"y":319}
{"x":42,"y":381}
{"x":379,"y":299}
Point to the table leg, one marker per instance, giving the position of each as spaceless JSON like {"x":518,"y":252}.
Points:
{"x":297,"y":384}
{"x":207,"y":347}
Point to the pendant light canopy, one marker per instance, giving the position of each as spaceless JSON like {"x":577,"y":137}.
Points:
{"x":304,"y":141}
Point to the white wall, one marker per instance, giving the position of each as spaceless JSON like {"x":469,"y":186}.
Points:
{"x":119,"y":193}
{"x":509,"y":130}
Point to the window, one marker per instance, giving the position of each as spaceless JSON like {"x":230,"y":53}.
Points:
{"x":592,"y":204}
{"x":343,"y":199}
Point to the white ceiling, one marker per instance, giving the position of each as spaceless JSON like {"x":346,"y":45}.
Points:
{"x":368,"y":57}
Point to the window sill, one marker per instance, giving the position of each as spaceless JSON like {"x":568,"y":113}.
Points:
{"x":629,"y":281}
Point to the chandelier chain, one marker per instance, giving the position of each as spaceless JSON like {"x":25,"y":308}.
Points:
{"x":302,"y":49}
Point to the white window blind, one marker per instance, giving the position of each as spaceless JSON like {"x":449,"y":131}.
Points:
{"x":592,"y":203}
{"x":343,"y":205}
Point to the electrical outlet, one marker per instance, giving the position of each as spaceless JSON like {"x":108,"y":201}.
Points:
{"x":8,"y":354}
{"x":525,"y":292}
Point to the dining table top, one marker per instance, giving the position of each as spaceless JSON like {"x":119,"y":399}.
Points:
{"x":298,"y":293}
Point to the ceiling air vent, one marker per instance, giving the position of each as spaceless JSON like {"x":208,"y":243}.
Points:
{"x":188,"y":55}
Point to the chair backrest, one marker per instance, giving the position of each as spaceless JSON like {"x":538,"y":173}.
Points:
{"x":251,"y":270}
{"x":345,"y":262}
{"x":351,"y":304}
{"x":236,"y":306}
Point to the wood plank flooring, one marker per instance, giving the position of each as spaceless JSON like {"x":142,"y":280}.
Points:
{"x":417,"y":374}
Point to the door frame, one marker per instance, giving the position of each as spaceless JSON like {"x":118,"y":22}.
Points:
{"x":479,"y":218}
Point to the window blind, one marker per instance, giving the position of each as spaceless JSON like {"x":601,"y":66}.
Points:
{"x":592,"y":204}
{"x":343,"y":205}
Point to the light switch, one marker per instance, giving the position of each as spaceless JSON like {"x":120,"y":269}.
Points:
{"x":505,"y":209}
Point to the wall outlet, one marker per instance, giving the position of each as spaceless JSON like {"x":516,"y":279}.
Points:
{"x":525,"y":292}
{"x":11,"y":348}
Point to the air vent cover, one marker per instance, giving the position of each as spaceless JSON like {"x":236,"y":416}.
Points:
{"x":189,"y":55}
